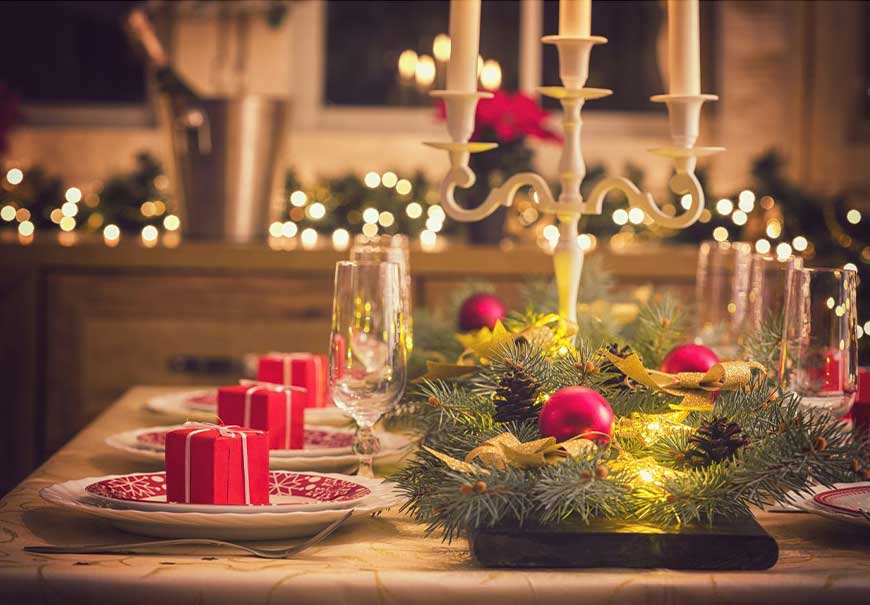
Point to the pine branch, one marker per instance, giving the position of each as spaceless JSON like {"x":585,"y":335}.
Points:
{"x":659,"y":327}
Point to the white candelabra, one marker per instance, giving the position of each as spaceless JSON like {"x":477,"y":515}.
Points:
{"x":574,"y":45}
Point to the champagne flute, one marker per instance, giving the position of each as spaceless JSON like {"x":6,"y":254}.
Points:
{"x":394,"y":249}
{"x":721,"y":292}
{"x":367,"y":353}
{"x":760,"y":334}
{"x":819,"y":354}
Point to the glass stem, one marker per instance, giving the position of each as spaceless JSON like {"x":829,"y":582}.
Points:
{"x":365,"y":446}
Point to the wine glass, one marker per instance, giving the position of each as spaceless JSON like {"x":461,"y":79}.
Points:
{"x":819,"y":355}
{"x":721,"y":291}
{"x":761,"y":331}
{"x":367,"y":353}
{"x":394,"y":249}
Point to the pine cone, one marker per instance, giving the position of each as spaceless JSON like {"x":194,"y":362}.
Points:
{"x":516,"y":396}
{"x":618,"y":378}
{"x":714,"y":441}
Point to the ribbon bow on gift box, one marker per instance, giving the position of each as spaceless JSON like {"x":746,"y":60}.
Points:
{"x":693,"y":387}
{"x":287,"y":389}
{"x":505,"y":450}
{"x":231,"y":431}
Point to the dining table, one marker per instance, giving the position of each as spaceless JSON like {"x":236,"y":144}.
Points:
{"x":388,"y":558}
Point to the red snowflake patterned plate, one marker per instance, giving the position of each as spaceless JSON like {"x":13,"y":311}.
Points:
{"x":318,"y":440}
{"x":849,"y":500}
{"x":288,"y":492}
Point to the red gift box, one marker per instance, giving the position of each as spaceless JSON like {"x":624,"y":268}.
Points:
{"x":861,"y":407}
{"x":305,"y":370}
{"x":211,"y":464}
{"x":278,"y":410}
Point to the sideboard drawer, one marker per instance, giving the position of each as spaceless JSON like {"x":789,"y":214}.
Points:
{"x":107,"y":332}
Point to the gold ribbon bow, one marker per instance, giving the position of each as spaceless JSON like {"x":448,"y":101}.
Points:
{"x":693,"y":387}
{"x":505,"y":450}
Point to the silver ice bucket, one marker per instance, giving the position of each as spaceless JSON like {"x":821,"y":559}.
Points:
{"x":227,"y":164}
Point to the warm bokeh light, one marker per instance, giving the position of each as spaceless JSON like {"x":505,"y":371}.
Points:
{"x":724,"y":206}
{"x":308,"y":238}
{"x":69,"y":209}
{"x":340,"y":239}
{"x":428,"y":240}
{"x":317,"y":211}
{"x":635,"y":216}
{"x":720,"y":234}
{"x":746,"y":200}
{"x":773,"y":229}
{"x":783,"y":250}
{"x":850,"y":267}
{"x":26,"y":228}
{"x":686,"y":201}
{"x":853,"y":216}
{"x":389,"y":179}
{"x":441,"y":47}
{"x":7,"y":213}
{"x":424,"y":72}
{"x":171,"y":222}
{"x":436,"y":212}
{"x":67,"y":223}
{"x":403,"y":187}
{"x":799,"y":243}
{"x":55,"y":216}
{"x":414,"y":210}
{"x":111,"y":234}
{"x":370,"y":215}
{"x":289,"y":229}
{"x":275,"y":229}
{"x":298,"y":198}
{"x":22,"y":214}
{"x":370,"y":229}
{"x":620,"y":216}
{"x":739,"y":217}
{"x":73,"y":194}
{"x":149,"y":233}
{"x":386,"y":219}
{"x":14,"y":176}
{"x":490,"y":75}
{"x":407,"y":64}
{"x":372,"y":180}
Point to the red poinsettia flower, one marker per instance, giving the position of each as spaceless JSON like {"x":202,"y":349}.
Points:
{"x":509,"y":117}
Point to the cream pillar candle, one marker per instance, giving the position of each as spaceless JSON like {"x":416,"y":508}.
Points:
{"x":464,"y":44}
{"x":684,"y":48}
{"x":575,"y":18}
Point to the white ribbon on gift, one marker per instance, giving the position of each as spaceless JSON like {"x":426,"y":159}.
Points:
{"x":287,"y":389}
{"x":231,"y":431}
{"x":287,"y":360}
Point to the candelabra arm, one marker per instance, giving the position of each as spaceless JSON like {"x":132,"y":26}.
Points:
{"x":681,"y":183}
{"x":462,"y":176}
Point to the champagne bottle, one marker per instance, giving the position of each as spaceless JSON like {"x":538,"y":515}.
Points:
{"x":169,"y":81}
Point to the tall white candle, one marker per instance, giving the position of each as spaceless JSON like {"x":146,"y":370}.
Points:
{"x":464,"y":45}
{"x":575,"y":18}
{"x":684,"y":47}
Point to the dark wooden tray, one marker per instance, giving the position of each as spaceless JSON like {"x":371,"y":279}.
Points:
{"x":728,"y":545}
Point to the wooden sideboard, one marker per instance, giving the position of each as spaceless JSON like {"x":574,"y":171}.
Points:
{"x":81,"y":324}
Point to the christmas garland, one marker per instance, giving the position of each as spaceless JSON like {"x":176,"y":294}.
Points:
{"x":528,"y":428}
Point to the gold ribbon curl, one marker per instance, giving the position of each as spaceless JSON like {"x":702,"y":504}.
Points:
{"x":506,"y":450}
{"x":693,"y":387}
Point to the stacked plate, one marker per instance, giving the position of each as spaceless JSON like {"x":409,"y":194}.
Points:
{"x":201,"y":404}
{"x":847,"y":502}
{"x":326,"y":449}
{"x":301,"y":504}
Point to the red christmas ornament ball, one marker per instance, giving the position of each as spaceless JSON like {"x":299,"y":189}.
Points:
{"x":689,"y":358}
{"x":481,"y":310}
{"x":573,"y":411}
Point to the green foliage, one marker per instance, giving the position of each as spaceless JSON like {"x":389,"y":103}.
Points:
{"x":659,"y":327}
{"x":780,"y":449}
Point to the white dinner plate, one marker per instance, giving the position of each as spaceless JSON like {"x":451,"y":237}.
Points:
{"x":195,"y":405}
{"x":394,"y":448}
{"x":288,"y":491}
{"x":318,"y":441}
{"x":219,"y":526}
{"x":810,"y":505}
